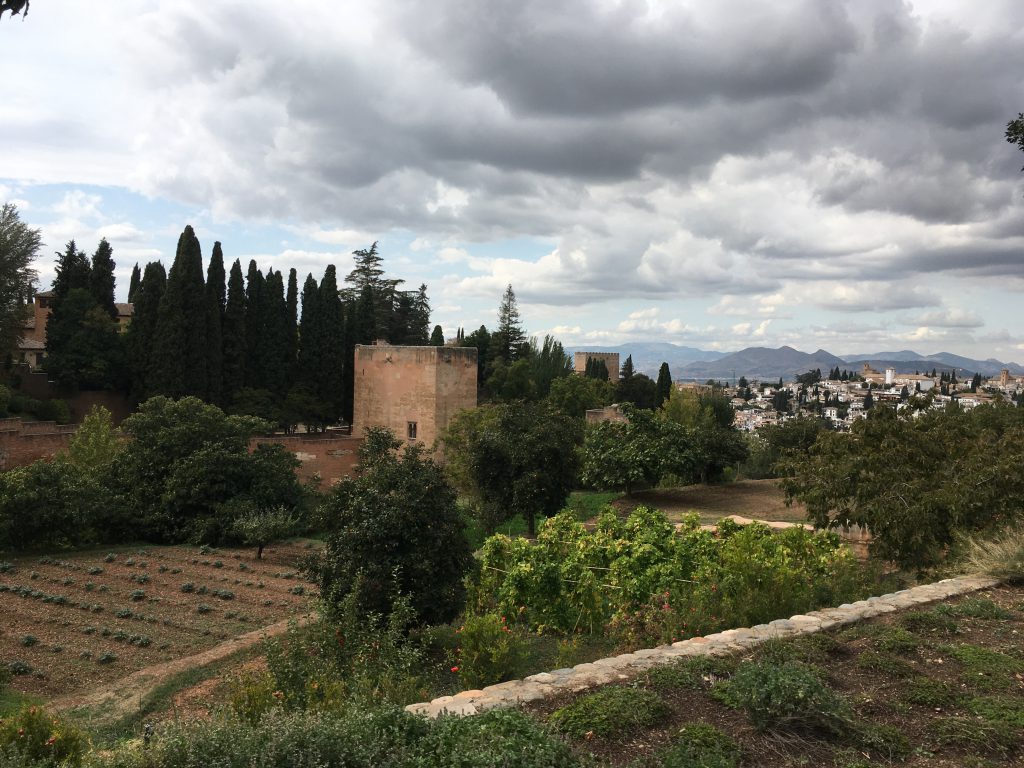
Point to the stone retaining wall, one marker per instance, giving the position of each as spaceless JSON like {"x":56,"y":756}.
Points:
{"x":618,"y":668}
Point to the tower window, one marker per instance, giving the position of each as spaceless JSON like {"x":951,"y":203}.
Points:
{"x":412,"y":430}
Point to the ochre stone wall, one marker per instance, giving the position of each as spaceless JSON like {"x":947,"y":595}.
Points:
{"x":332,"y":458}
{"x":610,"y":359}
{"x":426,"y":386}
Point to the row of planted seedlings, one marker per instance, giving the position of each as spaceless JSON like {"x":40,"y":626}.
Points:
{"x":135,"y":608}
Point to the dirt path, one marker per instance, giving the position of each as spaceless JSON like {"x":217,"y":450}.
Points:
{"x":755,"y":499}
{"x":128,"y":694}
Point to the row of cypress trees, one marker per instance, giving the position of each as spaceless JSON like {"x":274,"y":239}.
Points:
{"x":239,"y":342}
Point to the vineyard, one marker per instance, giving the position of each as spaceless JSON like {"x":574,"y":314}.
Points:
{"x":82,"y":620}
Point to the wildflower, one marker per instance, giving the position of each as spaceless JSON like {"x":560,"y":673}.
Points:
{"x":51,"y":741}
{"x":277,"y":695}
{"x":455,"y":669}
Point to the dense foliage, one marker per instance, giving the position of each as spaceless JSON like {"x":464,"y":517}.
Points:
{"x":394,"y":530}
{"x":183,"y":473}
{"x":19,"y":246}
{"x":916,"y":482}
{"x":641,"y":578}
{"x":514,"y":459}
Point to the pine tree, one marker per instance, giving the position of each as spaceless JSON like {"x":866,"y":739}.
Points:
{"x":216,"y":299}
{"x":101,"y":278}
{"x":133,"y":286}
{"x":437,"y":337}
{"x":72,"y":270}
{"x":664,"y":384}
{"x":233,"y":335}
{"x":507,"y":341}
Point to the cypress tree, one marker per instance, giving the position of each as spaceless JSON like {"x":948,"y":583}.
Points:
{"x":254,"y":327}
{"x":335,"y":370}
{"x":216,"y":298}
{"x":292,"y":306}
{"x":664,"y":383}
{"x":437,"y":337}
{"x":133,"y":286}
{"x":142,"y":329}
{"x":627,"y":369}
{"x":101,"y":278}
{"x":179,"y":354}
{"x":309,"y":340}
{"x":275,"y":363}
{"x":233,"y":343}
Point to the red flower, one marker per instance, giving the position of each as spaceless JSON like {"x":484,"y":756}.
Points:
{"x":51,"y":741}
{"x":455,"y":669}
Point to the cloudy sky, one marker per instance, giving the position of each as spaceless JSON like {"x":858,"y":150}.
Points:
{"x":721,"y":175}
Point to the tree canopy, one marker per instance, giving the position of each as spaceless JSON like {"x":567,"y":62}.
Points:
{"x":19,"y":246}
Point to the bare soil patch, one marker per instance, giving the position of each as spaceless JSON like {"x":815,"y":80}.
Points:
{"x":81,"y":622}
{"x":755,"y":499}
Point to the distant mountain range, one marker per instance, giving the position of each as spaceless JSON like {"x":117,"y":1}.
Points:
{"x":765,"y":363}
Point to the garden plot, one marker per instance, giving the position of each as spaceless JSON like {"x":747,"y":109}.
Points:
{"x":76,"y":621}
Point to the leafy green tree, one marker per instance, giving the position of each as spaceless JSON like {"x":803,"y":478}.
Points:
{"x":101,"y":278}
{"x":638,"y":451}
{"x":638,"y":389}
{"x":915,"y":482}
{"x":437,"y":337}
{"x":96,"y":441}
{"x":548,"y":363}
{"x":186,"y":470}
{"x":49,"y":504}
{"x":575,"y":395}
{"x":1015,"y":134}
{"x":395,"y":530}
{"x":520,"y":459}
{"x":261,"y":527}
{"x":664,"y":384}
{"x":708,"y":416}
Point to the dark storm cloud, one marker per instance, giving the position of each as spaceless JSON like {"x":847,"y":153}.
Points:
{"x":606,"y":126}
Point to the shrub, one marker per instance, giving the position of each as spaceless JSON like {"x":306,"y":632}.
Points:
{"x":896,"y":640}
{"x":137,"y":595}
{"x":1000,"y":554}
{"x":95,"y":571}
{"x":203,"y":608}
{"x":786,"y":696}
{"x":396,"y":529}
{"x":699,"y":745}
{"x":107,"y":657}
{"x":490,"y":651}
{"x":699,"y":672}
{"x":926,"y":692}
{"x":29,"y":640}
{"x":610,"y":713}
{"x":493,"y":740}
{"x":110,"y":557}
{"x":41,"y":738}
{"x":19,"y":668}
{"x":188,"y":586}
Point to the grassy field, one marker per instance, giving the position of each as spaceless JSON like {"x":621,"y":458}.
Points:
{"x":756,"y":499}
{"x":84,"y":620}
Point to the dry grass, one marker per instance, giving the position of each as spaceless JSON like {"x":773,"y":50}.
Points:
{"x":1000,"y":556}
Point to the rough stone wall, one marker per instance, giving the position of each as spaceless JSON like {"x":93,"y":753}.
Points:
{"x":610,"y":359}
{"x":331,"y":458}
{"x":426,"y":385}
